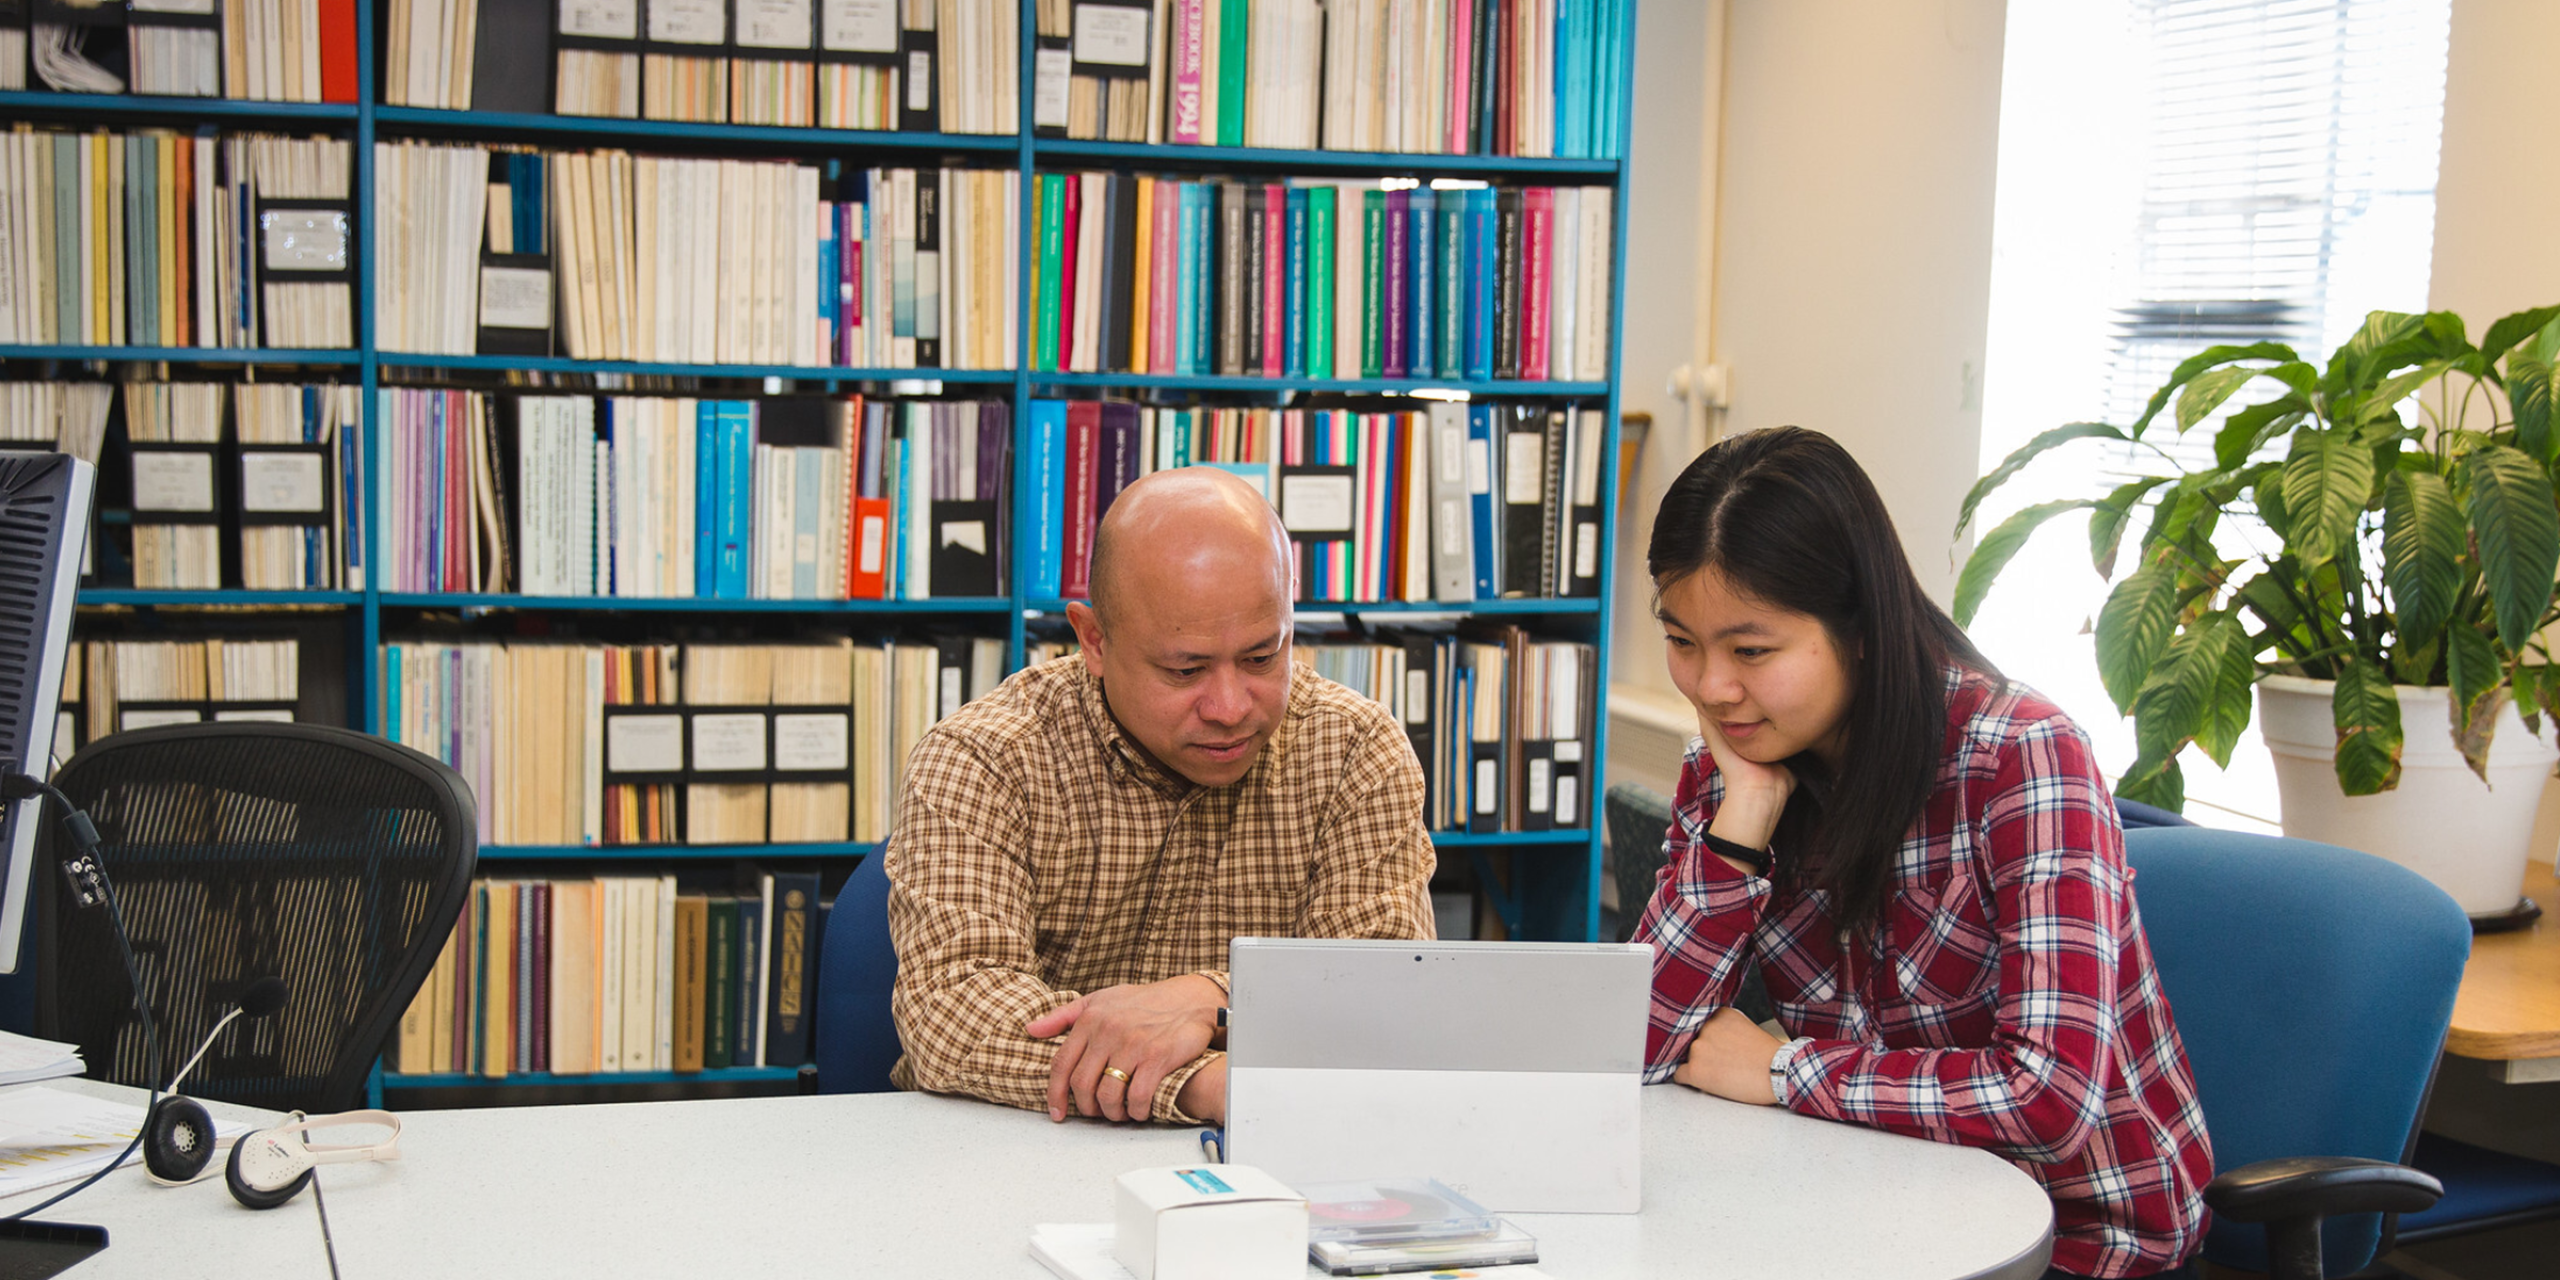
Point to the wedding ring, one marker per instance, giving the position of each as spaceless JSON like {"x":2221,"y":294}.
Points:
{"x":1116,"y":1074}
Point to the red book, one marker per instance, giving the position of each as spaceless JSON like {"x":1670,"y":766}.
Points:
{"x":1164,"y":290}
{"x":1063,"y":307}
{"x":1506,"y":79}
{"x":1399,"y":487}
{"x":337,"y":50}
{"x":870,"y":548}
{"x":1275,"y":279}
{"x":1537,"y":236}
{"x":1083,"y":478}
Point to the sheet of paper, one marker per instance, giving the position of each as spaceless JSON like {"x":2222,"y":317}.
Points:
{"x":25,"y":1058}
{"x":49,"y":1136}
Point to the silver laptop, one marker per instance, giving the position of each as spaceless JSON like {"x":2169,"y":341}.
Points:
{"x":1509,"y":1070}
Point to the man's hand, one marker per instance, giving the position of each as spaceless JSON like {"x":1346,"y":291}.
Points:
{"x":1146,"y":1031}
{"x":1205,"y":1093}
{"x":1730,"y":1059}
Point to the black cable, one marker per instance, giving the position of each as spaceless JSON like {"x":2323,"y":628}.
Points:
{"x":88,"y":873}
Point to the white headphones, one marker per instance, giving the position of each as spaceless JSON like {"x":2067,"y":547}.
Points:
{"x":271,"y":1166}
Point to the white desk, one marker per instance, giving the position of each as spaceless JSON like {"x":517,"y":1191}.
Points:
{"x":157,"y":1232}
{"x":910,"y":1185}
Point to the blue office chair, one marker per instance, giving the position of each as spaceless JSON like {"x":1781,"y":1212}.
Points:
{"x":2312,"y":986}
{"x":857,"y":1042}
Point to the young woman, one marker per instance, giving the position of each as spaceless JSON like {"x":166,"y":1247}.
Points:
{"x":1921,"y":857}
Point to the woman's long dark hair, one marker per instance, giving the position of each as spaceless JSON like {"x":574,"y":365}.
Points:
{"x":1787,"y":518}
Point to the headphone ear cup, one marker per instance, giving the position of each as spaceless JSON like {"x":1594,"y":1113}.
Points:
{"x":254,"y":1196}
{"x":177,"y":1139}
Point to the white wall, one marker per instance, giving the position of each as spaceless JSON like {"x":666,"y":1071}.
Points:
{"x":1854,"y":257}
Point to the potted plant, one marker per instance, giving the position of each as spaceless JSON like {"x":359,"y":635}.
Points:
{"x":2406,"y":493}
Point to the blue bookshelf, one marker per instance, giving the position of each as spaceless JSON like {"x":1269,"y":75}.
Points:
{"x":1551,"y":884}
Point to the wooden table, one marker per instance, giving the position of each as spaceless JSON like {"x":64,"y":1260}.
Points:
{"x":2509,"y":1008}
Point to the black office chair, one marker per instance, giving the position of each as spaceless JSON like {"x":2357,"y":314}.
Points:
{"x":333,"y":860}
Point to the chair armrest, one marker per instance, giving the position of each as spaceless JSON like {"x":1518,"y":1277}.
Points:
{"x":2319,"y":1187}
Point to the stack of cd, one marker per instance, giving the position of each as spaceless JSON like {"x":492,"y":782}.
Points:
{"x":1372,"y":1228}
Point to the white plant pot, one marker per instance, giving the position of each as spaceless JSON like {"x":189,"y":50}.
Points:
{"x":2471,"y":839}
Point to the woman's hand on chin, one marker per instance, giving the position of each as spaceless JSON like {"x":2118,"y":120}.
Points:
{"x":1754,"y":793}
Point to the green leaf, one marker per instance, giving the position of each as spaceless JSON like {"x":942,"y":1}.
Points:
{"x":2546,"y":342}
{"x":1992,"y":554}
{"x":2193,"y":694}
{"x":2109,"y":517}
{"x":2507,"y":331}
{"x":2155,"y":781}
{"x":2529,"y":396}
{"x":2422,"y":544}
{"x":2243,"y":433}
{"x":2479,"y":689}
{"x":2017,"y":461}
{"x":2519,"y":534}
{"x":2387,"y":395}
{"x":2133,"y":627}
{"x":2367,"y":718}
{"x":2209,"y":358}
{"x":2208,"y":391}
{"x":2326,"y":482}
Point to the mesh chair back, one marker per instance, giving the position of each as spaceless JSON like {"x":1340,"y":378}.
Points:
{"x":1639,"y":817}
{"x":333,"y":860}
{"x":2312,"y":986}
{"x":857,"y":1040}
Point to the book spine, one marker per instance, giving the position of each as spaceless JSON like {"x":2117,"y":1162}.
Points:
{"x":1294,"y":323}
{"x":1049,"y":481}
{"x":1373,"y":259}
{"x":1274,"y":217}
{"x":1396,"y":273}
{"x":1424,"y":255}
{"x":1189,"y":30}
{"x":1083,"y":457}
{"x":1320,"y":285}
{"x":1506,"y":275}
{"x":1537,"y":219}
{"x":795,"y":910}
{"x":1231,"y":277}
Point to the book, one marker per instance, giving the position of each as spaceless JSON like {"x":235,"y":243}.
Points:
{"x":790,"y":980}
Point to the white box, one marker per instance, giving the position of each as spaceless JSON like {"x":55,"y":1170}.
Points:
{"x":1210,"y":1222}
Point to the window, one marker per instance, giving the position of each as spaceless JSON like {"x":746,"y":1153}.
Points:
{"x":2175,"y":174}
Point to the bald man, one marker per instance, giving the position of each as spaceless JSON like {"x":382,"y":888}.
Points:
{"x":1073,"y":852}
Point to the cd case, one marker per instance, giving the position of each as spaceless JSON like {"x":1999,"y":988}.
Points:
{"x":1504,"y":1246}
{"x":1392,"y":1210}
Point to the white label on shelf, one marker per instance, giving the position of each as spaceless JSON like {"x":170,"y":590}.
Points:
{"x":173,"y":482}
{"x":813,"y":741}
{"x":1417,"y":697}
{"x":860,"y":26}
{"x":515,"y":298}
{"x":1052,"y":69}
{"x":601,"y":19}
{"x":1524,"y":468}
{"x":953,"y":695}
{"x":1486,"y":780}
{"x":173,"y":6}
{"x":773,"y":24}
{"x":919,"y":81}
{"x":284,"y":482}
{"x":966,"y":533}
{"x":268,"y":715}
{"x":688,"y":21}
{"x":644,"y":744}
{"x":304,"y":239}
{"x":725,"y":743}
{"x":1542,"y":776}
{"x":1479,"y":465}
{"x":1568,"y":751}
{"x":1586,"y":550}
{"x":1108,"y":33}
{"x":132,"y":720}
{"x":1568,"y":801}
{"x":1316,"y":504}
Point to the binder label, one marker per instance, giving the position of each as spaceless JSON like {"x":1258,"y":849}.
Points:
{"x":728,"y":743}
{"x":809,"y":743}
{"x":1542,"y":775}
{"x":601,"y":19}
{"x":288,"y":482}
{"x":1486,"y":780}
{"x":1316,"y":504}
{"x":644,"y":744}
{"x":773,"y":24}
{"x":153,"y":719}
{"x":860,"y":26}
{"x":688,"y":21}
{"x":1108,"y":33}
{"x":515,"y":298}
{"x":1417,"y":697}
{"x":304,"y":239}
{"x":173,"y":481}
{"x":1052,"y":69}
{"x":1586,"y":550}
{"x":919,"y":80}
{"x":1524,"y":468}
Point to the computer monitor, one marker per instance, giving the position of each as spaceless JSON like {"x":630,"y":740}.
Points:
{"x":44,"y":521}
